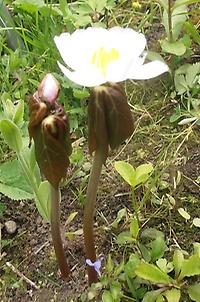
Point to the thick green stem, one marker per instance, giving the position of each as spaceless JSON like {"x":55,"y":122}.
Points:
{"x":89,"y":209}
{"x":55,"y":232}
{"x":170,"y":3}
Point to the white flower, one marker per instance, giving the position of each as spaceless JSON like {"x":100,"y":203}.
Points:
{"x":97,"y":55}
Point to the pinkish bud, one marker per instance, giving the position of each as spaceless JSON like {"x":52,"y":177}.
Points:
{"x":48,"y":89}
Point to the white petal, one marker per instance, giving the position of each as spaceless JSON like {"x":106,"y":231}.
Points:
{"x":85,"y":78}
{"x":77,"y":48}
{"x":147,"y":71}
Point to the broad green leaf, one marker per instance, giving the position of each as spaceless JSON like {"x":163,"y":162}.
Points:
{"x":121,"y":213}
{"x":145,"y":252}
{"x":115,"y":289}
{"x":126,"y":171}
{"x":158,"y":247}
{"x":196,"y":222}
{"x":152,"y":233}
{"x":177,"y":48}
{"x":190,"y":267}
{"x":11,"y":135}
{"x":172,"y":295}
{"x":43,"y":204}
{"x":178,"y":259}
{"x":124,"y":237}
{"x":30,"y":6}
{"x":15,"y":193}
{"x":191,"y":74}
{"x":152,"y":295}
{"x":160,"y":298}
{"x":194,"y":292}
{"x":152,"y":273}
{"x":19,"y":114}
{"x":184,"y":2}
{"x":107,"y":297}
{"x":134,"y":227}
{"x":184,"y":214}
{"x":142,"y":173}
{"x":71,"y":218}
{"x":131,"y":265}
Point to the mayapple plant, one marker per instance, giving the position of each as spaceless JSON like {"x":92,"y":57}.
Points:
{"x":102,"y":58}
{"x":49,"y":128}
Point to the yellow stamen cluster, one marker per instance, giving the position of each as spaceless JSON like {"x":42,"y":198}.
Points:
{"x":102,"y":58}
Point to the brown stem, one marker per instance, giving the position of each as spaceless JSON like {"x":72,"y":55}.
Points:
{"x":55,"y":232}
{"x":89,"y":209}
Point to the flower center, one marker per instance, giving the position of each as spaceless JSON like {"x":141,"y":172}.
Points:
{"x":102,"y":58}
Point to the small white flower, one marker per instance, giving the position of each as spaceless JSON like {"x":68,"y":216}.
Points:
{"x":97,"y":55}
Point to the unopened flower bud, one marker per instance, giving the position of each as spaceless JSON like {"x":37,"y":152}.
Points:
{"x":48,"y":89}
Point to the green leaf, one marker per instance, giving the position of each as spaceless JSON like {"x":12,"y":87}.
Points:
{"x":124,"y":237}
{"x":172,"y":295}
{"x":126,"y":171}
{"x":131,"y":265}
{"x":121,"y":213}
{"x":11,"y":135}
{"x":43,"y":204}
{"x":115,"y":289}
{"x":191,"y":29}
{"x":191,"y":74}
{"x":71,"y":218}
{"x":107,"y":297}
{"x":152,"y":233}
{"x":14,"y":193}
{"x":142,"y":173}
{"x":134,"y":227}
{"x":152,"y":295}
{"x":190,"y":267}
{"x":194,"y":292}
{"x":152,"y":273}
{"x":109,"y":264}
{"x":180,"y":84}
{"x":164,"y":266}
{"x":177,"y":48}
{"x":19,"y":113}
{"x":158,"y":247}
{"x":178,"y":259}
{"x":29,"y":5}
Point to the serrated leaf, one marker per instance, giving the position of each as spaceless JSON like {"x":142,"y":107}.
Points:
{"x":180,"y":84}
{"x":194,"y":292}
{"x":190,"y":267}
{"x":126,"y":171}
{"x":177,"y":48}
{"x":178,"y":259}
{"x":152,"y":273}
{"x":164,"y":266}
{"x":43,"y":204}
{"x":15,"y":193}
{"x":11,"y":135}
{"x":184,"y":214}
{"x":192,"y":71}
{"x":172,"y":295}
